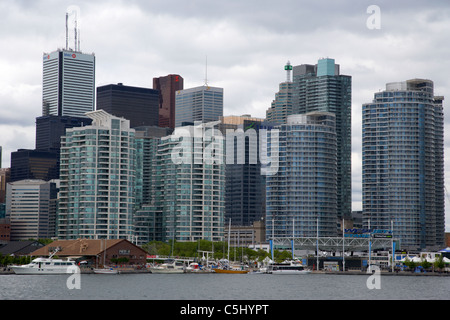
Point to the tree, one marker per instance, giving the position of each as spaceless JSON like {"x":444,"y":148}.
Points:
{"x":280,"y":256}
{"x":439,"y":263}
{"x":410,"y":264}
{"x":425,"y":264}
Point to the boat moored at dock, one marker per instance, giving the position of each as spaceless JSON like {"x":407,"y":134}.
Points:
{"x":291,"y":267}
{"x":46,"y":266}
{"x":169,"y":266}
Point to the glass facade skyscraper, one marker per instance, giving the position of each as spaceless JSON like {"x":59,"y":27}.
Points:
{"x":97,"y":174}
{"x":191,"y":184}
{"x":245,"y":194}
{"x":49,"y":130}
{"x":403,"y":163}
{"x":167,"y":87}
{"x":200,"y":104}
{"x":31,"y":209}
{"x":34,"y":164}
{"x":139,"y":105}
{"x":281,"y":107}
{"x":302,"y":197}
{"x":322,"y":88}
{"x":148,"y":216}
{"x":68,"y":86}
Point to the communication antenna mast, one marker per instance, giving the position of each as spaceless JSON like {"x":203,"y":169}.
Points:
{"x":67,"y":31}
{"x":75,"y":31}
{"x":73,"y":10}
{"x":206,"y":71}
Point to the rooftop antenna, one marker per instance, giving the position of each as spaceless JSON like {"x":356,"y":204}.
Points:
{"x":73,"y":10}
{"x":67,"y":31}
{"x":206,"y":71}
{"x":75,"y":31}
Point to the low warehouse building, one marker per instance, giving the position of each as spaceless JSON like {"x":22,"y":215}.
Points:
{"x":96,"y":252}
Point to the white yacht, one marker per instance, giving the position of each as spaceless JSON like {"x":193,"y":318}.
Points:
{"x":291,"y":267}
{"x":169,"y":266}
{"x":45,"y":266}
{"x":106,"y":270}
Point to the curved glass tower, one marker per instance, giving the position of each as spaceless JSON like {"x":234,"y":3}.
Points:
{"x":321,"y":87}
{"x":403,"y":163}
{"x":303,"y":193}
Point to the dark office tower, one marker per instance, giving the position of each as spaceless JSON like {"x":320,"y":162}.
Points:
{"x":167,"y":87}
{"x":403,"y":164}
{"x":245,"y":187}
{"x":68,"y":86}
{"x":322,"y":88}
{"x":49,"y":130}
{"x":139,"y":105}
{"x":34,"y":164}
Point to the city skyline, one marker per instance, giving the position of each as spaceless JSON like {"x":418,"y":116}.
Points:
{"x":245,"y":53}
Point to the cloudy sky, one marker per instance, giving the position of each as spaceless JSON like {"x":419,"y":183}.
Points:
{"x":245,"y":42}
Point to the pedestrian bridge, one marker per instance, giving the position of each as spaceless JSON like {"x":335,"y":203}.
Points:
{"x":334,"y":244}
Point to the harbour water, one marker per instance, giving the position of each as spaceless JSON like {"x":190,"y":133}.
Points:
{"x":224,"y":287}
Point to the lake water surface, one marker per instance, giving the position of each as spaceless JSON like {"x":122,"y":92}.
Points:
{"x":223,"y":287}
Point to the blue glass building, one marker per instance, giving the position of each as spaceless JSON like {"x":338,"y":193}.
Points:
{"x":302,"y":197}
{"x":322,"y":88}
{"x":200,"y":104}
{"x":97,"y":175}
{"x":403,"y":163}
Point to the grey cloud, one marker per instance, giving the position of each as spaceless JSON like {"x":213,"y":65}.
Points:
{"x":247,"y":44}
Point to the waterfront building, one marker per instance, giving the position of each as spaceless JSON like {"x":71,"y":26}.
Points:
{"x":147,"y":224}
{"x":281,"y":107}
{"x":31,"y":209}
{"x":147,"y":139}
{"x":138,"y":105}
{"x":68,"y":87}
{"x":403,"y":163}
{"x":96,"y":252}
{"x":190,"y":184}
{"x":322,"y":88}
{"x":301,"y":198}
{"x":252,"y":236}
{"x":199,"y":104}
{"x":245,"y":200}
{"x":97,"y":179}
{"x":167,"y":87}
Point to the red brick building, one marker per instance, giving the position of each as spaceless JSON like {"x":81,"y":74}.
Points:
{"x":167,"y":86}
{"x":96,"y":252}
{"x":5,"y":230}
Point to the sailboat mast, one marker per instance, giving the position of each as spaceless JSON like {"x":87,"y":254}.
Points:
{"x":229,"y":236}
